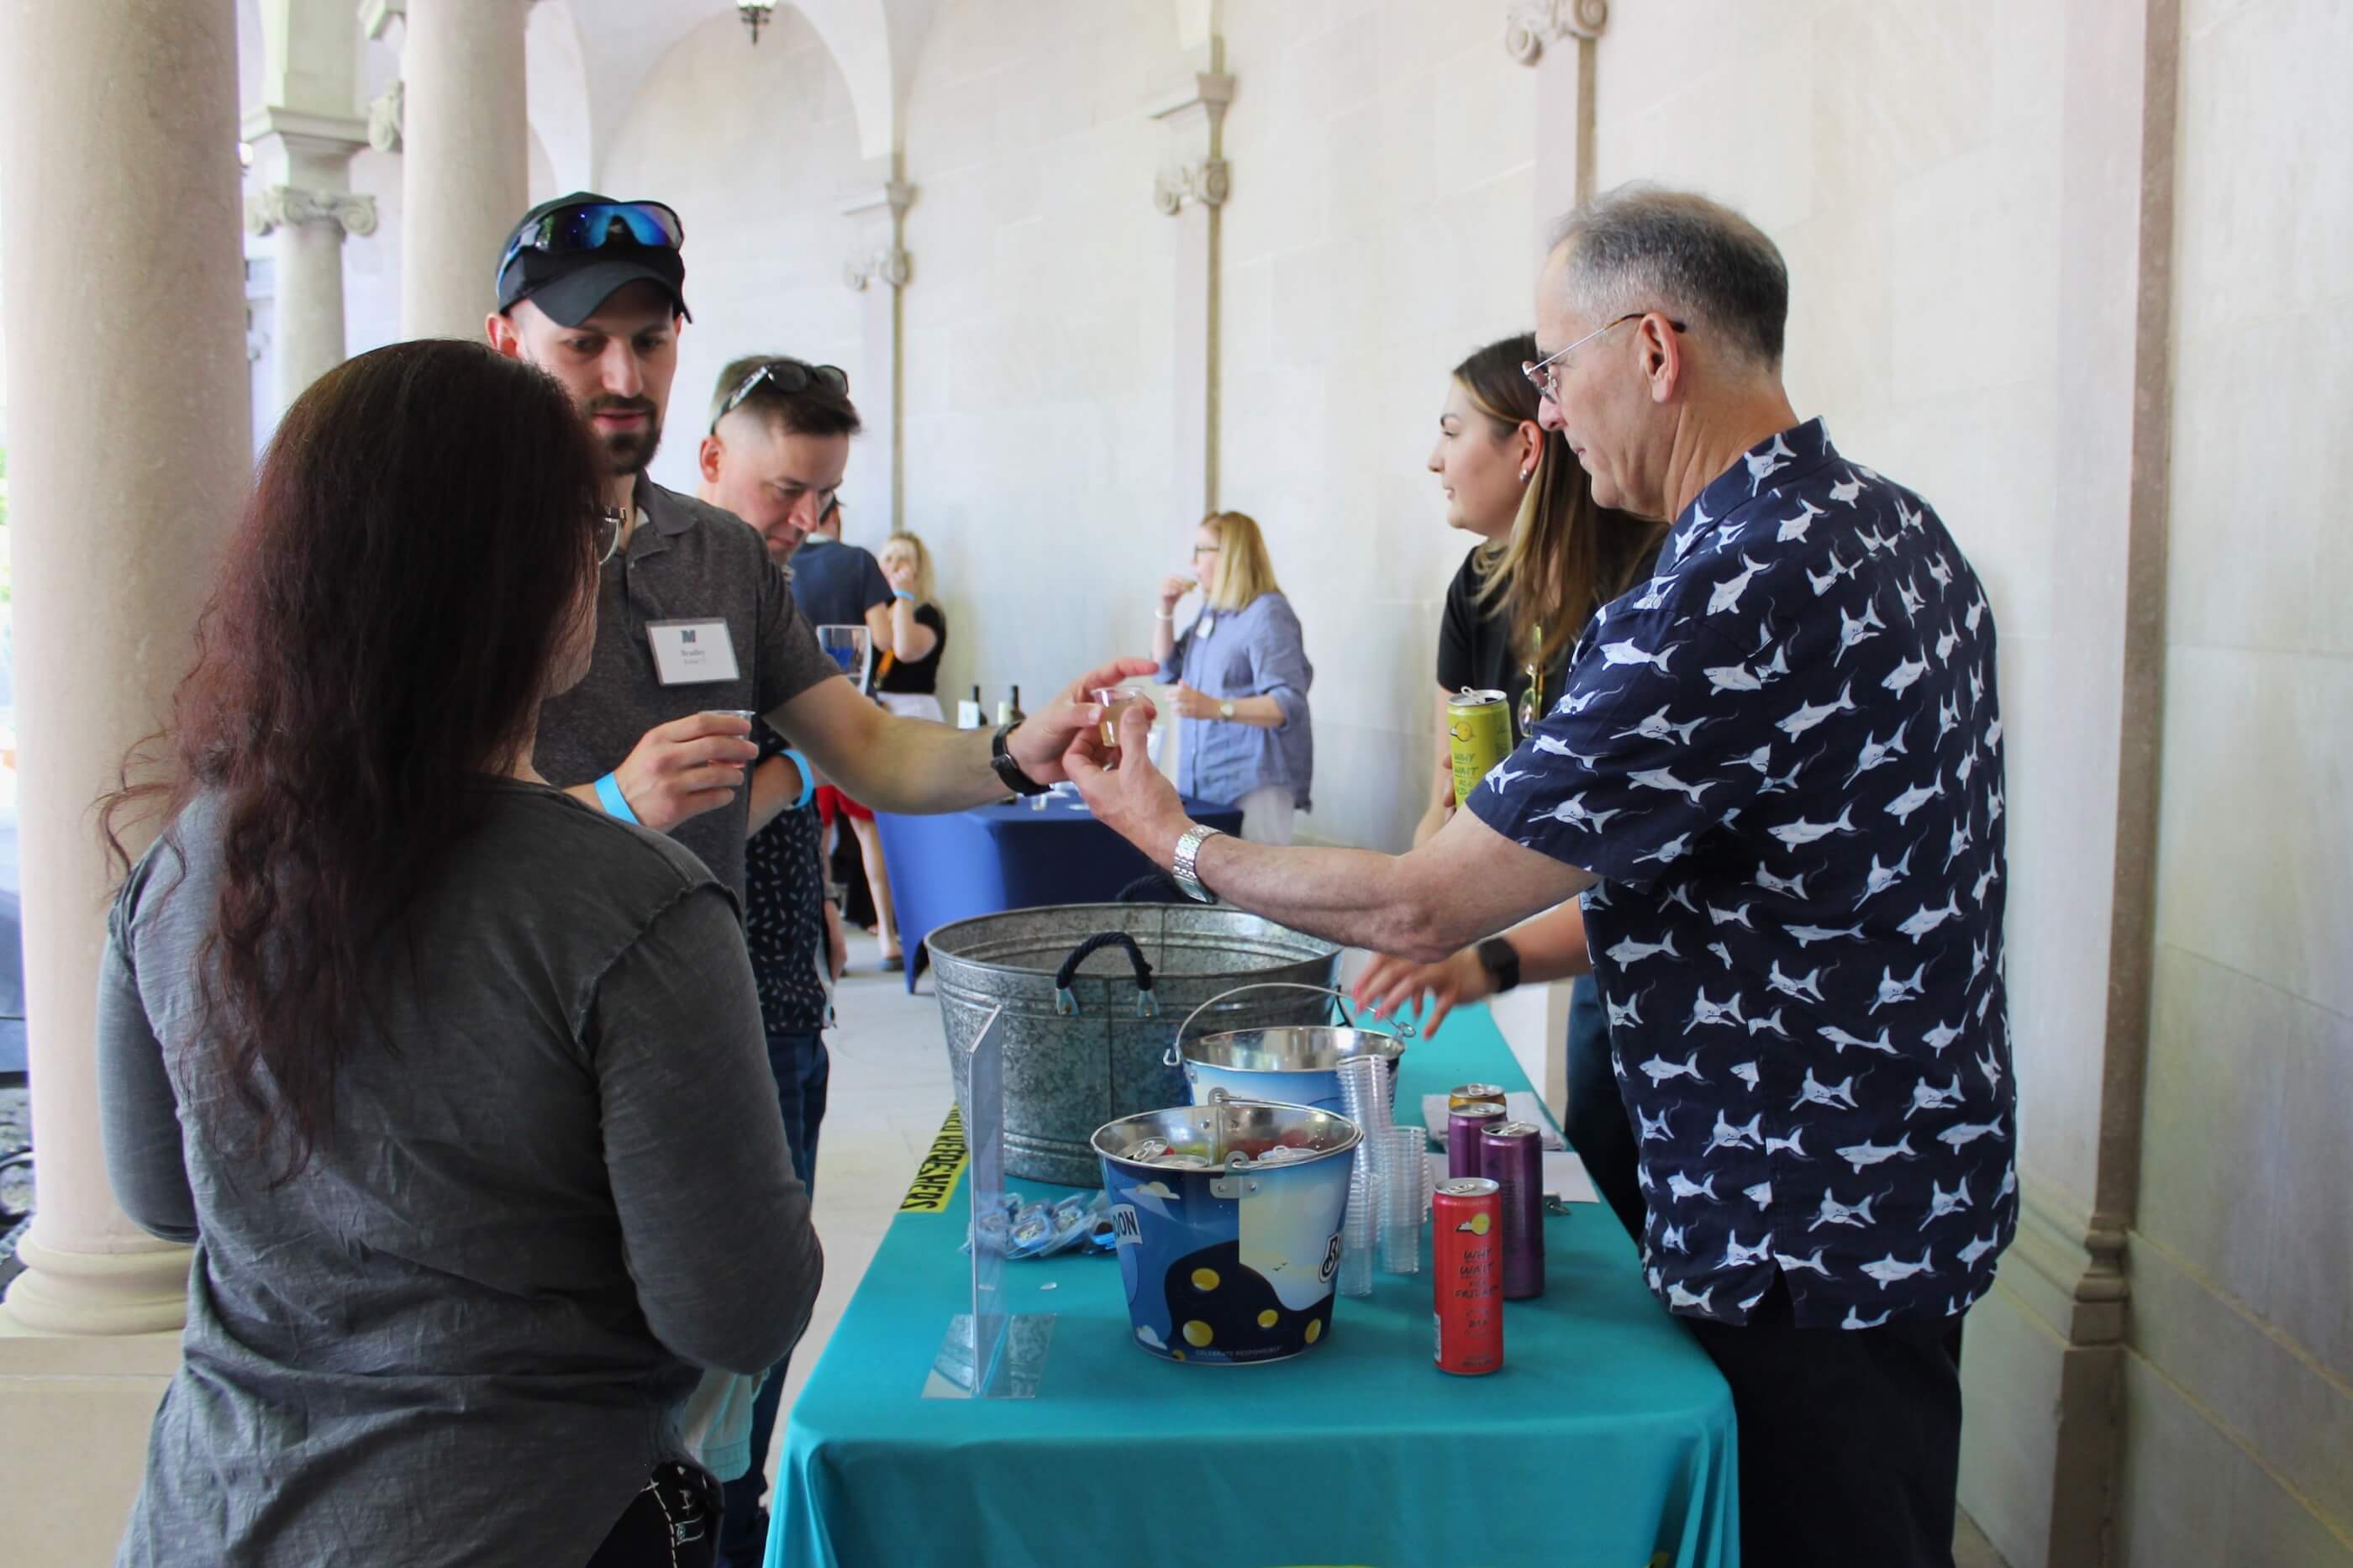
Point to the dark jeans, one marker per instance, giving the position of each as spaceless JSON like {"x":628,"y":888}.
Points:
{"x":802,"y":1071}
{"x":1850,"y":1438}
{"x":1596,"y":1123}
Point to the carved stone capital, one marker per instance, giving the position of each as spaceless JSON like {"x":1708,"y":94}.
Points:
{"x":888,"y":264}
{"x":1533,"y":23}
{"x":384,"y":116}
{"x":1205,"y":182}
{"x":279,"y":206}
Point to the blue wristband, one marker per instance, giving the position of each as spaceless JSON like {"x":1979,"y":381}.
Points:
{"x":904,"y":593}
{"x":608,"y":790}
{"x":809,"y":780}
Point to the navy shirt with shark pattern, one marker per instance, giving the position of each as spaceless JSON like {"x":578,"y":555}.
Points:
{"x":1782,"y":758}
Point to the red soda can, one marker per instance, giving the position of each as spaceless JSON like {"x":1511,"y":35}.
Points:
{"x":1463,"y":1125}
{"x":1466,"y":1283}
{"x":1511,"y":1154}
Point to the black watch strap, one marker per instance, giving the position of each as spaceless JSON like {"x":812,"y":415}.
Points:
{"x":1008,"y":771}
{"x":1502,"y":961}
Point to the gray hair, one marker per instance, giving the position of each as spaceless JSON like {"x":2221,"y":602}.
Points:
{"x":1642,"y":247}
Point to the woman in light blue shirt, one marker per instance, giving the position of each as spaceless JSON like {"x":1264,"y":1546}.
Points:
{"x":1241,"y":675}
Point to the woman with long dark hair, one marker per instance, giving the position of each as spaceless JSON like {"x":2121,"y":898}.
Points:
{"x":1549,"y":556}
{"x":455,"y":1085}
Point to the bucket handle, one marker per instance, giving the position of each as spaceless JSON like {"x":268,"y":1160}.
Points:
{"x":1173,"y":1055}
{"x":1066,"y":1001}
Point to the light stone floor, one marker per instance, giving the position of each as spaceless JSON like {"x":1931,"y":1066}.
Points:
{"x":890,"y":1090}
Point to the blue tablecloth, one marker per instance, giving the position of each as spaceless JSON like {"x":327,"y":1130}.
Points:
{"x":992,"y":859}
{"x":1607,"y":1439}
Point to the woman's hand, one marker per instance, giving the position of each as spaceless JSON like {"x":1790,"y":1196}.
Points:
{"x":1393,"y":987}
{"x":1192,"y":704}
{"x":1171,"y":590}
{"x":899,"y":573}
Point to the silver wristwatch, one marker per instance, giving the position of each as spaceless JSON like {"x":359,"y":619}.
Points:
{"x":1188,"y":854}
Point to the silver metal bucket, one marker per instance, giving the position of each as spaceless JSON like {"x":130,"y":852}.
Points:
{"x":1096,"y":1049}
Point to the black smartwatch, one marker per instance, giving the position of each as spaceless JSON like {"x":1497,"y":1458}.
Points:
{"x":1501,"y":960}
{"x":1008,"y":771}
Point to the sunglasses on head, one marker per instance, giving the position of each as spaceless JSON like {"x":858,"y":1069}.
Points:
{"x":788,"y":376}
{"x":591,"y":225}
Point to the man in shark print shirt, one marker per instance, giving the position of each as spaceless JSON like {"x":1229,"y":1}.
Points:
{"x":1776,"y":778}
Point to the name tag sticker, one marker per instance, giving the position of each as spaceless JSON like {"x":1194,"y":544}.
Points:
{"x":693,"y":653}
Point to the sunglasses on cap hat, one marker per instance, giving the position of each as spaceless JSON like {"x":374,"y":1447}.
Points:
{"x":591,"y":225}
{"x":788,"y":376}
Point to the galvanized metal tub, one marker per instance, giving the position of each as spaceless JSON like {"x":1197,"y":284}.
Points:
{"x":1097,"y":1050}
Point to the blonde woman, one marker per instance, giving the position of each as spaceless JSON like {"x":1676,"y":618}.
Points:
{"x":1241,"y":674}
{"x":907,"y":679}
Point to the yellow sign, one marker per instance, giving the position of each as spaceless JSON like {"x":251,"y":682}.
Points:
{"x":943,"y":1167}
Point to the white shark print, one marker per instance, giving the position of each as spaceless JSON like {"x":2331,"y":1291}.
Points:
{"x":1761,"y":1195}
{"x":1841,"y":1039}
{"x":1891,"y":990}
{"x":1679,"y":1297}
{"x":1794,"y":1144}
{"x":1786,"y":781}
{"x":2009,"y":1181}
{"x":1837,"y":1095}
{"x":1976,"y":609}
{"x":1943,"y":1035}
{"x":1738,"y":916}
{"x":1665,"y":779}
{"x":1877,"y":753}
{"x":1658,"y":1069}
{"x":1723,"y":953}
{"x":1726,"y":594}
{"x":1942,"y":1203}
{"x":1967,"y":766}
{"x":1732,"y":677}
{"x":1879,"y":878}
{"x":1862,"y":1154}
{"x":1745,"y":1072}
{"x":1977,"y":688}
{"x":1793,"y":886}
{"x":1993,"y":805}
{"x":1620,"y":653}
{"x":1989,"y":1064}
{"x":1798,"y":1265}
{"x":1977,"y":959}
{"x":1573,"y":812}
{"x":1629,"y":952}
{"x":1825,"y":582}
{"x":1503,"y":778}
{"x":1960,"y":841}
{"x":1901,"y":807}
{"x":1906,"y":518}
{"x":1945,"y":644}
{"x":1806,"y":936}
{"x":1809,"y":714}
{"x":1833,"y":1212}
{"x":1854,"y":1319}
{"x":1993,"y":735}
{"x":1670,"y":1239}
{"x":1736,"y":1256}
{"x":1804,"y":987}
{"x":1578,"y":702}
{"x":1846,"y":490}
{"x":1941,"y":569}
{"x":1967,"y":1132}
{"x":1913,"y":602}
{"x":1985,"y":1002}
{"x":1889,"y":1270}
{"x":1770,"y":1023}
{"x":1680,"y":1188}
{"x":1654,"y":1131}
{"x":1794,"y":527}
{"x":1706,"y":1012}
{"x":1948,"y":716}
{"x":1872,"y":542}
{"x":1658,"y":727}
{"x":1928,"y":919}
{"x":1761,"y":759}
{"x":1976,"y":1249}
{"x":1927,"y":1096}
{"x":1553,"y":746}
{"x":1673,"y":849}
{"x":1798,"y":834}
{"x":1763,"y":466}
{"x":1622,"y":1017}
{"x":1725,"y":1135}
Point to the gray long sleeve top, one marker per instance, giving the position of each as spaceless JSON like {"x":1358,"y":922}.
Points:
{"x":556,"y":1186}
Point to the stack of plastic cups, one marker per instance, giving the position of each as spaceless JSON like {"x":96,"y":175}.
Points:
{"x":1401,"y":1200}
{"x":1362,"y":1100}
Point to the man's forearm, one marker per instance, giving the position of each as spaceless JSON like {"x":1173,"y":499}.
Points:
{"x":774,"y":785}
{"x":912,"y":767}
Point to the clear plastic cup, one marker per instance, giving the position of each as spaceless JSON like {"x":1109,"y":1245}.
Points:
{"x":1115,"y":700}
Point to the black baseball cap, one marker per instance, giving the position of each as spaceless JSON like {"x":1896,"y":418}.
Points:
{"x":571,"y":254}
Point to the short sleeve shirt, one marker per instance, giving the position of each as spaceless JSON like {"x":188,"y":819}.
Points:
{"x":686,"y":561}
{"x":836,"y":583}
{"x":1782,"y":757}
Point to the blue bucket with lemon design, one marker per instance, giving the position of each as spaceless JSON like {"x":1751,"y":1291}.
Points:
{"x":1227,"y":1217}
{"x":1293,"y":1065}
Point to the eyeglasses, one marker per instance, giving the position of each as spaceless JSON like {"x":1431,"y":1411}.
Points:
{"x":1546,"y":380}
{"x":788,"y":376}
{"x":589,"y":226}
{"x":1201,"y":550}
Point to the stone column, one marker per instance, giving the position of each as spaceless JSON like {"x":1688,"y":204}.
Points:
{"x":1557,"y":37}
{"x":1191,"y":188}
{"x":309,"y":211}
{"x":879,"y":269}
{"x":129,"y":442}
{"x":465,"y":173}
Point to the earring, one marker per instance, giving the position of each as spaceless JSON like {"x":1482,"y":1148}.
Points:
{"x":1525,"y":474}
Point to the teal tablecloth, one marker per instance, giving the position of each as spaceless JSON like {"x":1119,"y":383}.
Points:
{"x":1605,"y":1442}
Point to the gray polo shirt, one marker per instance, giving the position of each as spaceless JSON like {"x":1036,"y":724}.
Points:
{"x":687,"y":562}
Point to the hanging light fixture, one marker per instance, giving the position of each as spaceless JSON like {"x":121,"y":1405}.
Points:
{"x":755,"y":14}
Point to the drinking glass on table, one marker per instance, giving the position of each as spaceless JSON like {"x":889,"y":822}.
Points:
{"x":850,"y":649}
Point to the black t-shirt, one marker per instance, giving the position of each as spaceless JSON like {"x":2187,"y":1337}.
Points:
{"x":1474,"y":645}
{"x":921,"y":676}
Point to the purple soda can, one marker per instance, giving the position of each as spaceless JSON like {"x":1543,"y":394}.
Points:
{"x":1464,"y":1124}
{"x":1511,"y":1155}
